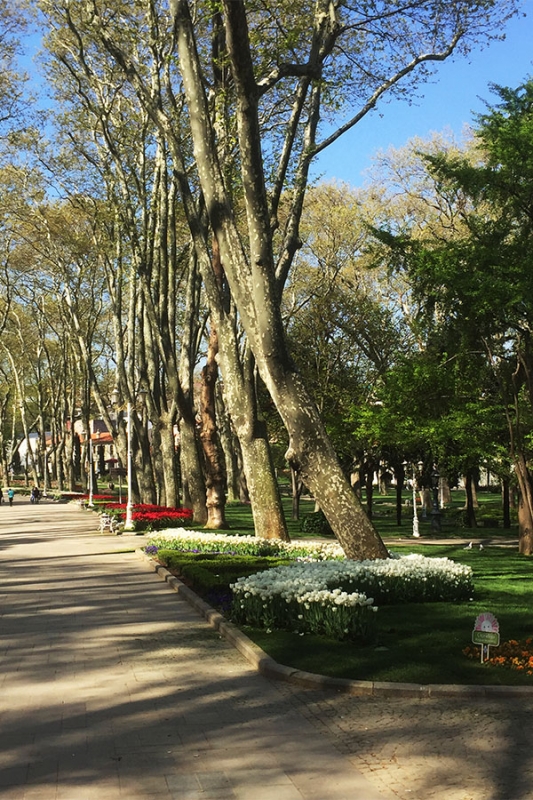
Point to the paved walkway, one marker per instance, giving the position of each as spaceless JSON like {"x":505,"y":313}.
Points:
{"x":113,"y":687}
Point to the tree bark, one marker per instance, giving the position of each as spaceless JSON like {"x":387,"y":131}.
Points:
{"x":369,"y":487}
{"x":470,"y":509}
{"x":237,"y":491}
{"x":506,"y":503}
{"x":258,"y":467}
{"x":170,"y":489}
{"x":3,"y":454}
{"x":297,"y":486}
{"x":525,"y":506}
{"x":215,"y":474}
{"x":238,"y":373}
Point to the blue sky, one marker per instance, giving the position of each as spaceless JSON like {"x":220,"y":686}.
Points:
{"x":450,"y":101}
{"x":455,"y":94}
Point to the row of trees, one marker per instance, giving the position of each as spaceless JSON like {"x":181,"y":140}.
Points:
{"x":471,"y":276}
{"x":414,"y":294}
{"x":155,"y":235}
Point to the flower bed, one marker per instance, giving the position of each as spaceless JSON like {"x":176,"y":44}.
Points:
{"x":331,"y":597}
{"x":512,"y":654}
{"x":68,"y":497}
{"x":322,"y":592}
{"x":406,"y":579}
{"x":336,"y":614}
{"x":197,"y":542}
{"x":146,"y":516}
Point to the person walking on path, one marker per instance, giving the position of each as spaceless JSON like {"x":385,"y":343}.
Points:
{"x":10,"y":496}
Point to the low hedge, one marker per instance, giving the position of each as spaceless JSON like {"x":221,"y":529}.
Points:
{"x":210,"y":572}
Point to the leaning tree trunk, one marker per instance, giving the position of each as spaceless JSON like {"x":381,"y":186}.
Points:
{"x":310,"y":451}
{"x":250,"y":272}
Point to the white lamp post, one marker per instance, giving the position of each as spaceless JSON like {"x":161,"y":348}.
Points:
{"x":128,"y":525}
{"x":416,"y":532}
{"x":90,"y":503}
{"x":91,"y":486}
{"x":45,"y":471}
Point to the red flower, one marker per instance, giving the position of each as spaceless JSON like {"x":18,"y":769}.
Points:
{"x":153,"y":516}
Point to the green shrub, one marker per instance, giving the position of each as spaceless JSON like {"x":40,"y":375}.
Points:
{"x":316,"y":523}
{"x":207,"y":571}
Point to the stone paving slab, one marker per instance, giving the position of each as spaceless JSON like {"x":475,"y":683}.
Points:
{"x":111,"y":686}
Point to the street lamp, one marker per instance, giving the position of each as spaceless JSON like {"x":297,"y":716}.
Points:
{"x":115,"y":398}
{"x":45,"y":469}
{"x":435,"y":511}
{"x":90,"y":503}
{"x":416,"y":531}
{"x":91,"y":484}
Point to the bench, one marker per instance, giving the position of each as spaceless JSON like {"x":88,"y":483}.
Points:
{"x":107,"y":522}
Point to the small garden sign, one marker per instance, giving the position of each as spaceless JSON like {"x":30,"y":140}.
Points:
{"x":486,"y":633}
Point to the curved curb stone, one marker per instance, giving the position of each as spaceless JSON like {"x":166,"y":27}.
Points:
{"x":266,"y":665}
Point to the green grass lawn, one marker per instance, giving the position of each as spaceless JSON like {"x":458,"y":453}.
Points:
{"x":418,"y":643}
{"x":239,"y":518}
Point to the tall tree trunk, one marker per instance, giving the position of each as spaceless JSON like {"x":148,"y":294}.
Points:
{"x":169,"y":461}
{"x":3,"y":451}
{"x":525,"y":506}
{"x":69,"y":458}
{"x":470,"y":509}
{"x":191,"y":472}
{"x":474,"y":484}
{"x":239,"y":382}
{"x":215,"y":475}
{"x":59,"y":462}
{"x":258,"y":467}
{"x":143,"y":460}
{"x":20,"y":383}
{"x":297,"y":486}
{"x":237,"y":491}
{"x":506,"y":503}
{"x":369,"y":487}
